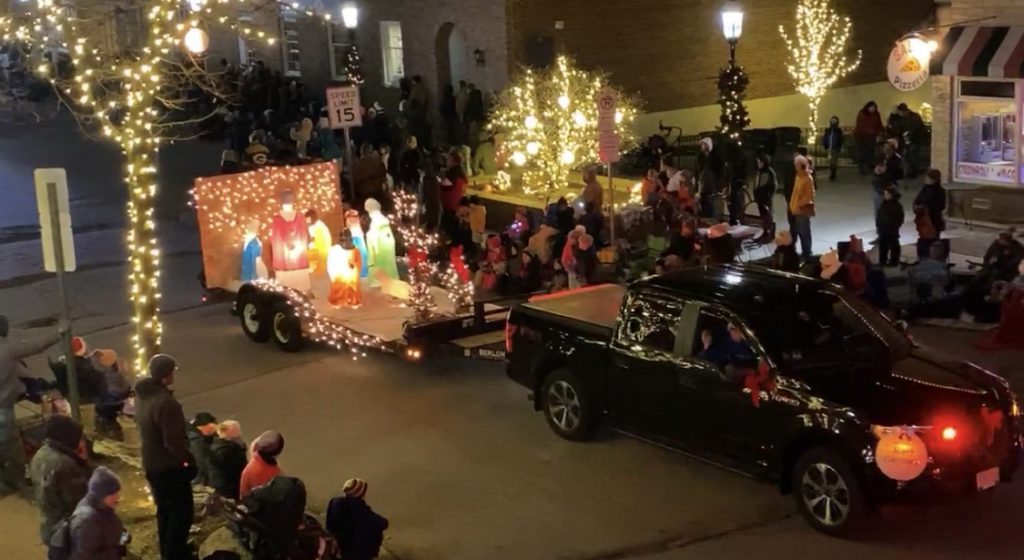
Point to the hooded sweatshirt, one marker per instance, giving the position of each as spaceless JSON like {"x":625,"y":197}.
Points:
{"x":161,"y":428}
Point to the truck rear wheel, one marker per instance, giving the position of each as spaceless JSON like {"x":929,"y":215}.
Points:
{"x":828,"y":493}
{"x":567,"y":407}
{"x":254,"y":316}
{"x":286,"y":327}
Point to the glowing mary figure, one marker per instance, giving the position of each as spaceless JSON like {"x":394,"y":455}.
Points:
{"x":380,"y":244}
{"x":355,"y":228}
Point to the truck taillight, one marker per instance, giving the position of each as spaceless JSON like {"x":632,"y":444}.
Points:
{"x":948,"y":433}
{"x":509,"y":331}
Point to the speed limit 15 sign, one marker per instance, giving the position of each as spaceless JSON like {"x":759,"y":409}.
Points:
{"x":343,"y":108}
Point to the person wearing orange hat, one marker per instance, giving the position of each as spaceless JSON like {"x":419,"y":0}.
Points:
{"x":358,"y":530}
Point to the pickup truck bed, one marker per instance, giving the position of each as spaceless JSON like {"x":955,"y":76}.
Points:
{"x":593,"y":309}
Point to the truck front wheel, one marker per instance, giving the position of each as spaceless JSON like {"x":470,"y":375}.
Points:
{"x":567,"y":407}
{"x":286,"y":327}
{"x":828,"y":493}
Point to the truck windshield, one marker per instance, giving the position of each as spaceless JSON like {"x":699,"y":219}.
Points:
{"x":822,"y":326}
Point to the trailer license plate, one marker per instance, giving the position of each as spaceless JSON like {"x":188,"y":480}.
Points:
{"x":988,"y":478}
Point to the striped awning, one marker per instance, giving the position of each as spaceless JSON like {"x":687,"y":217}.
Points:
{"x":996,"y":52}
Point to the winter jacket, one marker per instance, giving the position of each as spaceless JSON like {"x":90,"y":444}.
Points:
{"x":869,"y":126}
{"x":279,"y":506}
{"x":890,"y":217}
{"x":227,"y":461}
{"x":933,"y":197}
{"x":710,"y":172}
{"x":357,"y":528}
{"x":60,"y":479}
{"x":95,"y":531}
{"x":409,"y":167}
{"x":593,"y":193}
{"x":832,"y":140}
{"x":803,"y":195}
{"x":199,"y":446}
{"x":255,"y":474}
{"x":11,"y":368}
{"x":161,"y":427}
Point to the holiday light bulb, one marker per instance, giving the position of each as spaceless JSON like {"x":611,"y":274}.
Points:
{"x":532,"y":148}
{"x":530,"y":122}
{"x":568,"y":158}
{"x":563,"y":101}
{"x":519,"y":158}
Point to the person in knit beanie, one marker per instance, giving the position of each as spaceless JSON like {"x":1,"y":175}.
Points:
{"x":59,"y":473}
{"x":358,"y":530}
{"x":96,"y":531}
{"x":262,"y":467}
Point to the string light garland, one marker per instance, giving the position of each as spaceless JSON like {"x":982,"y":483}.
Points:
{"x":134,"y":95}
{"x":548,"y":121}
{"x":420,"y":244}
{"x":229,"y":202}
{"x":319,"y":328}
{"x":817,"y":52}
{"x":732,"y":87}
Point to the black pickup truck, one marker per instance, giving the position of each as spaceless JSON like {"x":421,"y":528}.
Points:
{"x":778,"y":376}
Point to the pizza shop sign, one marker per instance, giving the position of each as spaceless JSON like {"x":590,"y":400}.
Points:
{"x":908,"y":63}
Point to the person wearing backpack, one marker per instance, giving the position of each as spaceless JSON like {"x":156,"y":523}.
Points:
{"x":59,"y":472}
{"x":94,"y":531}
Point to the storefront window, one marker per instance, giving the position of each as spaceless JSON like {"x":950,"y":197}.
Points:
{"x":988,"y":134}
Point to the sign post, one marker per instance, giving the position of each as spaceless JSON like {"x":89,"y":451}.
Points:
{"x":59,"y":257}
{"x":608,"y":146}
{"x":344,"y":111}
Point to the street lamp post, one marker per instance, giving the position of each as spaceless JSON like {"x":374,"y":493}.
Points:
{"x":732,"y":27}
{"x":731,"y":83}
{"x":350,"y":18}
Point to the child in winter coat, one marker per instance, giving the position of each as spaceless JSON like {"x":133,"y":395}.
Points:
{"x":785,"y":257}
{"x":358,"y":530}
{"x":890,"y":219}
{"x":568,"y":258}
{"x":114,"y":391}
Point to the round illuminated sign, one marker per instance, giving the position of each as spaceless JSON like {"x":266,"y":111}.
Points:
{"x":901,"y":455}
{"x":908,"y":63}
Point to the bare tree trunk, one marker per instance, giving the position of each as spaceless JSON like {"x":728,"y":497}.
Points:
{"x":143,"y":256}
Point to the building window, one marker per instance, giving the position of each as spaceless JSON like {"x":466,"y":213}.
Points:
{"x":988,"y":137}
{"x":391,"y":48}
{"x":338,"y":39}
{"x":290,"y":43}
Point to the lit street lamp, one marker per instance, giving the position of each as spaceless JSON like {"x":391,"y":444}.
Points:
{"x":732,"y":26}
{"x":350,"y":15}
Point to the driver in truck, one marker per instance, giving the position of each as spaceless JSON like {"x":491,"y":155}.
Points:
{"x":732,"y":353}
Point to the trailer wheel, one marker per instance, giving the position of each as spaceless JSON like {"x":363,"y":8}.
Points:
{"x":254,"y":317}
{"x":285,"y":327}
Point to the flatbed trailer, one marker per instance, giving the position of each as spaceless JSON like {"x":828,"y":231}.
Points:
{"x":270,"y":311}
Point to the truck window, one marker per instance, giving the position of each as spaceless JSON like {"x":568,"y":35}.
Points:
{"x":650,"y":323}
{"x":719,"y":341}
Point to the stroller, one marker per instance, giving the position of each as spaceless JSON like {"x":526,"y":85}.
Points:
{"x":269,"y":524}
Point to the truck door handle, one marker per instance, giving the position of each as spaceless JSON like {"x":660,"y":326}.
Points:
{"x":621,"y":364}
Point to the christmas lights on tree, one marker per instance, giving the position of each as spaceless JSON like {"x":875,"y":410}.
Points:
{"x":419,"y":246}
{"x":548,"y":121}
{"x":817,"y":51}
{"x":353,"y":64}
{"x":732,"y":87}
{"x":133,"y":95}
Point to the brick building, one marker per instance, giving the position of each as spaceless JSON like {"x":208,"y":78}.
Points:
{"x":669,"y":51}
{"x":978,"y":98}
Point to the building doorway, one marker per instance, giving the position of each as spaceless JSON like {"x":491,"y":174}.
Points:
{"x":451,"y":55}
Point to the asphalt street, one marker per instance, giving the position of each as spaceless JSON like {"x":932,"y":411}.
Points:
{"x":464,"y":469}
